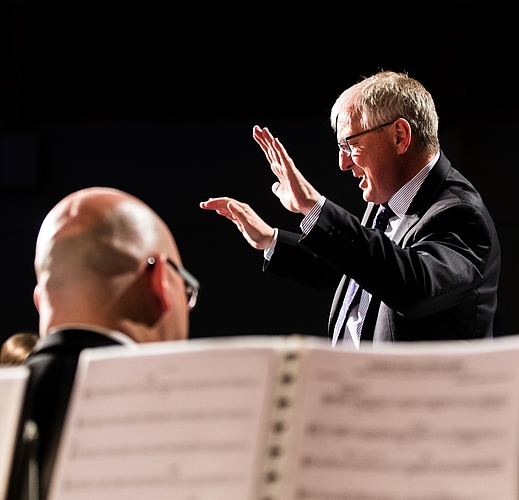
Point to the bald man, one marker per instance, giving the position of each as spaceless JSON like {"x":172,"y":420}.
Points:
{"x":108,"y":273}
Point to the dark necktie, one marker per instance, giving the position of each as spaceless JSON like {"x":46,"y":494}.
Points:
{"x":354,"y":292}
{"x":383,"y":216}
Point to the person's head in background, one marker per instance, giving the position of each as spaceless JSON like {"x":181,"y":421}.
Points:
{"x":17,"y":347}
{"x":105,"y":258}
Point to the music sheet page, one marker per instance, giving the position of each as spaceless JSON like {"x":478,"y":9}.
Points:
{"x":418,"y":425}
{"x":13,"y":381}
{"x":166,"y":425}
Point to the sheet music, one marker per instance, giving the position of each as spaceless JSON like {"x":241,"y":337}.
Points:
{"x":13,"y":381}
{"x":412,"y":426}
{"x":165,"y":424}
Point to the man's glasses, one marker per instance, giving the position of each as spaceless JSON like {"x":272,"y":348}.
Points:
{"x":344,"y":145}
{"x":191,"y":284}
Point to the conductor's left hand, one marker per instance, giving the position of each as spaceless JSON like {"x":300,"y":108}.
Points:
{"x":253,"y":228}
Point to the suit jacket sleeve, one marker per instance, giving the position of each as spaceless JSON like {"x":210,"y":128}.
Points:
{"x":296,"y":262}
{"x":443,"y":259}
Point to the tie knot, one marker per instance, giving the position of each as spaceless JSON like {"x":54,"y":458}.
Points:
{"x":383,"y":215}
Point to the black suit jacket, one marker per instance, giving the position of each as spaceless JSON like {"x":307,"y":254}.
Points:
{"x":52,"y":367}
{"x":437,"y":279}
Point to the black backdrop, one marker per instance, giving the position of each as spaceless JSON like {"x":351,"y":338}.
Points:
{"x":159,"y":99}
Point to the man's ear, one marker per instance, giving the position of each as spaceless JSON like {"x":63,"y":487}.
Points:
{"x":403,"y":135}
{"x":158,"y":282}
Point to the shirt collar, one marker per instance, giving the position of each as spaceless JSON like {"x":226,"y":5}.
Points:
{"x":113,"y":334}
{"x":402,"y":199}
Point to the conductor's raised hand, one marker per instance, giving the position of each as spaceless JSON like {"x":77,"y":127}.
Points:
{"x":293,"y":190}
{"x":253,"y":228}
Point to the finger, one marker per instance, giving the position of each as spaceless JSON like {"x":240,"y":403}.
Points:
{"x":281,"y":153}
{"x":225,"y":213}
{"x":215,"y":203}
{"x":219,"y":205}
{"x":241,"y":212}
{"x":257,"y":134}
{"x":264,"y":138}
{"x":262,"y":135}
{"x":236,"y":209}
{"x":268,"y":138}
{"x":246,"y":221}
{"x":270,"y":145}
{"x":279,"y":148}
{"x":277,"y":170}
{"x":237,"y":213}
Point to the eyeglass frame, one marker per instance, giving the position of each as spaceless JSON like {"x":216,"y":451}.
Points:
{"x":344,"y":145}
{"x":191,"y":284}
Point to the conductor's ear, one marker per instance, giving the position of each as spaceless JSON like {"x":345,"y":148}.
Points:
{"x":402,"y":135}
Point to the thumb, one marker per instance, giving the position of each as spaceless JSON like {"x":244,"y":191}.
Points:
{"x":237,"y":211}
{"x":232,"y":207}
{"x":238,"y":215}
{"x":236,"y":208}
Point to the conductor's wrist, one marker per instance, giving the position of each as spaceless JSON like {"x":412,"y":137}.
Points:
{"x":310,"y":203}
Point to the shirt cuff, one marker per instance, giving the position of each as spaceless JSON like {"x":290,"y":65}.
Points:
{"x":311,"y":217}
{"x":268,"y":252}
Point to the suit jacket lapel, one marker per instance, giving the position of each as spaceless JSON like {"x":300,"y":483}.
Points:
{"x":369,"y":215}
{"x":424,"y":198}
{"x":432,"y":183}
{"x":407,"y":222}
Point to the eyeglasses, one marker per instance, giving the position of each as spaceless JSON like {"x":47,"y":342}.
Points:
{"x":344,"y":145}
{"x":191,"y":284}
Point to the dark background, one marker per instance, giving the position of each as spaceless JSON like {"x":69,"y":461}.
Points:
{"x":159,"y":99}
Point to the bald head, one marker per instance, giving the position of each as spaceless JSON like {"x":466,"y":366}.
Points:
{"x":92,"y":267}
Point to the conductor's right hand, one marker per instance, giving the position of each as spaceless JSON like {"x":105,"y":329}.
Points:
{"x":253,"y":228}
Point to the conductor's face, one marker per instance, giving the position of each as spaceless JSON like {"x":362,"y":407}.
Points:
{"x":370,"y":156}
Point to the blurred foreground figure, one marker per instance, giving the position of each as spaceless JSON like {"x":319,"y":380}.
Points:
{"x":108,"y":273}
